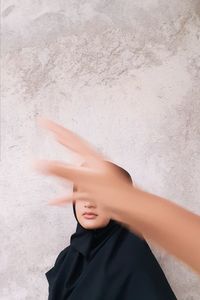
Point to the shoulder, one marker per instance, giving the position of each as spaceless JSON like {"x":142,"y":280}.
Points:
{"x":62,"y":255}
{"x":133,"y":241}
{"x":133,"y":249}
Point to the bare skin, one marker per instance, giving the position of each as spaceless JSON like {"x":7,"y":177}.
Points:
{"x":90,"y":216}
{"x":159,"y":220}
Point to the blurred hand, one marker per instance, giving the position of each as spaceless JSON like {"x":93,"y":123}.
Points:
{"x":97,"y":179}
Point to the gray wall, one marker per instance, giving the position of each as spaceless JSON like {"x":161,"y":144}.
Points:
{"x":123,"y":74}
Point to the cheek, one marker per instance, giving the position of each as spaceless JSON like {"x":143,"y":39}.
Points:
{"x":103,"y":221}
{"x":79,"y":210}
{"x":103,"y":217}
{"x":79,"y":207}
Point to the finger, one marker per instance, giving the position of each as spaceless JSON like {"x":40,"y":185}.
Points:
{"x":81,"y":176}
{"x":69,"y":199}
{"x":89,"y":160}
{"x":72,"y":141}
{"x":77,"y":175}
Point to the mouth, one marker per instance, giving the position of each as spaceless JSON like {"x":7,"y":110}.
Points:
{"x":89,"y":215}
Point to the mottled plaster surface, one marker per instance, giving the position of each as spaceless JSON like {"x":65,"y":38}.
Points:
{"x":123,"y":74}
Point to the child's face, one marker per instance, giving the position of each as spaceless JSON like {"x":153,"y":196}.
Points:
{"x":89,"y":215}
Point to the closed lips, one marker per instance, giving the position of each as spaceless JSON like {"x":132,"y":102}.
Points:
{"x":89,"y":214}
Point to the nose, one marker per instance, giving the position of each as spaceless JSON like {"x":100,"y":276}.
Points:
{"x":89,"y":204}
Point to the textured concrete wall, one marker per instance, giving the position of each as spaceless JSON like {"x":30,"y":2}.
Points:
{"x":123,"y":74}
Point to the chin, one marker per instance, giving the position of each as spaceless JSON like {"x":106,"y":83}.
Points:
{"x":90,"y":226}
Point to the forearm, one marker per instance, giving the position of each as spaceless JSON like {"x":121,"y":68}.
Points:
{"x":163,"y":222}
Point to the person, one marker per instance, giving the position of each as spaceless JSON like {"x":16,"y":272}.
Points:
{"x":105,"y":261}
{"x":157,"y":219}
